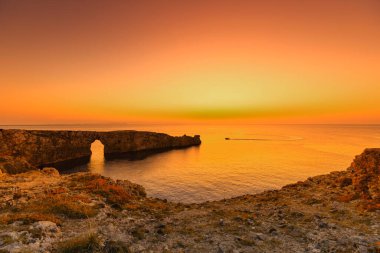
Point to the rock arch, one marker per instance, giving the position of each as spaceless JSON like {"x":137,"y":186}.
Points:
{"x":22,"y":150}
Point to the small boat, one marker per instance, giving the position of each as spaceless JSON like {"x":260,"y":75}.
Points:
{"x":226,"y":139}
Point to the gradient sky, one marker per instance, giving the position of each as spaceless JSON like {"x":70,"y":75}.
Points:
{"x":291,"y":61}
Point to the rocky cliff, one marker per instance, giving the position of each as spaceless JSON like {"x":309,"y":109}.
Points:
{"x":42,"y":211}
{"x":23,"y":150}
{"x":365,"y":177}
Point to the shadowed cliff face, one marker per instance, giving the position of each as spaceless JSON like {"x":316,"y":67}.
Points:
{"x":23,"y":150}
{"x":365,"y":171}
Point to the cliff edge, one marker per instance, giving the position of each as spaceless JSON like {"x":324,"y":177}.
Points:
{"x":24,"y":150}
{"x":84,"y":212}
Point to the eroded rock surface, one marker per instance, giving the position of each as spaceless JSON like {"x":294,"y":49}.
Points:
{"x":366,"y":174}
{"x":43,"y":211}
{"x":24,"y":150}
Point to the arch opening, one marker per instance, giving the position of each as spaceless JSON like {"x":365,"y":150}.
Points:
{"x":97,"y":160}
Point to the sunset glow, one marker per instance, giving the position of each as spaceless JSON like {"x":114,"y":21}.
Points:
{"x":119,"y":61}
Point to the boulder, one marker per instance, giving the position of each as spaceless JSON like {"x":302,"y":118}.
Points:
{"x":365,"y":171}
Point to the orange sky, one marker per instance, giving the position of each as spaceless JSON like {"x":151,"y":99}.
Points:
{"x":291,"y":61}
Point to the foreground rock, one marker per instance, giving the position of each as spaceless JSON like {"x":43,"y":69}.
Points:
{"x":24,"y":150}
{"x":42,"y":211}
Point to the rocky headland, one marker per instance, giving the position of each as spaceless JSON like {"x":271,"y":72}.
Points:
{"x":24,"y":150}
{"x":43,"y":211}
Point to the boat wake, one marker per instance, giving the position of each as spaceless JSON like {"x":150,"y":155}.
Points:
{"x":287,"y":138}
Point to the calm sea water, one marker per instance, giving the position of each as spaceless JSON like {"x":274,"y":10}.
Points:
{"x":270,"y":156}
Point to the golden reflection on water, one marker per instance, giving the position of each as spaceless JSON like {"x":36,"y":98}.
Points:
{"x":97,"y":160}
{"x":222,"y":168}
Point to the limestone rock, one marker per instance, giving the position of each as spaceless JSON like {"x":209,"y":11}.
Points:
{"x":366,"y":174}
{"x":302,"y":217}
{"x":50,"y":171}
{"x":45,"y":227}
{"x":24,"y":150}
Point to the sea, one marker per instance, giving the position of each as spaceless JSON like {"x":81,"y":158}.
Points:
{"x":233,"y":159}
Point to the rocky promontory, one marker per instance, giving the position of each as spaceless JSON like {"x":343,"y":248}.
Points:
{"x":24,"y":150}
{"x":43,"y":211}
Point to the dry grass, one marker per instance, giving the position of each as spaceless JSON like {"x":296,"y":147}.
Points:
{"x":347,"y":197}
{"x":59,"y":203}
{"x":138,"y":233}
{"x":52,"y":208}
{"x":82,"y":198}
{"x":6,"y":239}
{"x":377,"y":245}
{"x":156,"y":205}
{"x":28,"y":218}
{"x":114,"y":193}
{"x":58,"y":190}
{"x":88,"y":243}
{"x":115,"y":247}
{"x":149,"y":205}
{"x":132,"y":206}
{"x":67,"y":206}
{"x":369,"y":205}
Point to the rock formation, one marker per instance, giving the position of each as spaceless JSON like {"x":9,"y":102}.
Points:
{"x":365,"y":176}
{"x":23,"y":150}
{"x":42,"y":211}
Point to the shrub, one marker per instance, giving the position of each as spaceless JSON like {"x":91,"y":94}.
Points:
{"x":347,"y":198}
{"x":117,"y":193}
{"x":69,"y":207}
{"x":114,"y":194}
{"x":50,"y":208}
{"x":138,"y":233}
{"x":115,"y":247}
{"x":370,"y":206}
{"x":91,"y":243}
{"x":29,"y":218}
{"x":83,"y":244}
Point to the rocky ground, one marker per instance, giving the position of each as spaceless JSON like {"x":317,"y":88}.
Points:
{"x":42,"y":211}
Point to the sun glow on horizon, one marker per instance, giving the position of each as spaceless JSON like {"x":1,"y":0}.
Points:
{"x":293,"y":62}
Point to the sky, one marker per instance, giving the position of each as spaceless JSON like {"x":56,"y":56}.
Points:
{"x":86,"y":61}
